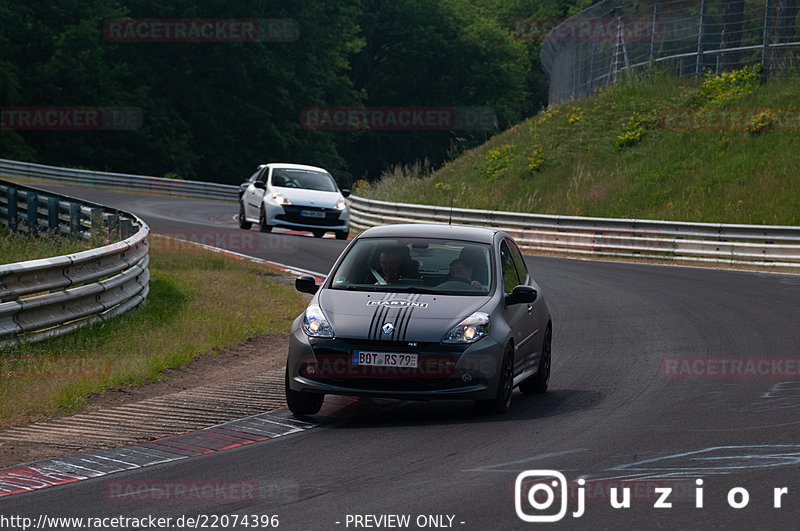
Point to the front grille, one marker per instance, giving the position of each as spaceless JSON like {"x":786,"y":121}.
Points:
{"x":398,"y":384}
{"x":334,"y":365}
{"x":292,"y":215}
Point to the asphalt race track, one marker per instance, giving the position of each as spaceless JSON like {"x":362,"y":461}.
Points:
{"x":629,"y":405}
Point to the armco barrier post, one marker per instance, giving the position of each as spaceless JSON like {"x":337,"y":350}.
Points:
{"x":12,"y":209}
{"x":125,"y":228}
{"x":74,"y":218}
{"x":33,"y":212}
{"x":113,"y":228}
{"x":52,"y":214}
{"x":96,"y":219}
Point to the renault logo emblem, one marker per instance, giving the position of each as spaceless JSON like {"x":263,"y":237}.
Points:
{"x":387,"y":328}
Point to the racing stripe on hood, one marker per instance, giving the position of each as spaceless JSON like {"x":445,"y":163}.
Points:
{"x":402,"y":316}
{"x":398,"y":320}
{"x":378,"y":316}
{"x":402,"y":325}
{"x":375,"y":325}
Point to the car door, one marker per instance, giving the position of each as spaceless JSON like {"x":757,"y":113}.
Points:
{"x":253,"y":196}
{"x":536,"y":311}
{"x":248,"y":182}
{"x":518,"y":316}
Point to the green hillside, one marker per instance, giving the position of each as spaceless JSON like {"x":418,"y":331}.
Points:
{"x":719,"y":149}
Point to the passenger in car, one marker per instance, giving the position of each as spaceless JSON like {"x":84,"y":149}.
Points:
{"x":475,"y":258}
{"x":461,"y":271}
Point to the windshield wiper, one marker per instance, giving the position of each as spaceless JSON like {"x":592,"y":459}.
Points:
{"x":356,"y":287}
{"x":405,"y":289}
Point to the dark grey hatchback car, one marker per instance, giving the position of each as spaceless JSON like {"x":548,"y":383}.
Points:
{"x":421,"y":312}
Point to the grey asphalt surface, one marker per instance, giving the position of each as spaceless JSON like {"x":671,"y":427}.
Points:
{"x":610,"y":412}
{"x":213,"y":223}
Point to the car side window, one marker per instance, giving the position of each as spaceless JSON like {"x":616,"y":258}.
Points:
{"x":263,"y":177}
{"x":522,"y":269}
{"x":510,"y":276}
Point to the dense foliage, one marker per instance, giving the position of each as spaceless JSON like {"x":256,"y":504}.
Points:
{"x":214,"y":110}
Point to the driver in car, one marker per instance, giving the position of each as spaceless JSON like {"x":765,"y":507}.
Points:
{"x":391,"y":265}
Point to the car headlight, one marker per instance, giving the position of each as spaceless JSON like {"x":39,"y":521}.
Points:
{"x":280,"y":200}
{"x":469,"y":330}
{"x":341,"y":205}
{"x":315,"y":324}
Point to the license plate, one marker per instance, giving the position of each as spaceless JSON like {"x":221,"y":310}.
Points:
{"x":312,"y":214}
{"x":384,"y":359}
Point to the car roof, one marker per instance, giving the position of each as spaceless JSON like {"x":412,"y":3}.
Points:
{"x":290,"y":166}
{"x":432,"y":230}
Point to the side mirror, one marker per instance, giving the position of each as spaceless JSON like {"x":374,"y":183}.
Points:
{"x":345,"y":192}
{"x":521,"y":294}
{"x":306,"y":284}
{"x":260,"y":185}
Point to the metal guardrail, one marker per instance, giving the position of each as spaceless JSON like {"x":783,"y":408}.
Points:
{"x":761,"y":245}
{"x":52,"y":296}
{"x":27,"y":170}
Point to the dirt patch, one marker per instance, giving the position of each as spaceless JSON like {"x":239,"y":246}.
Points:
{"x":255,"y":356}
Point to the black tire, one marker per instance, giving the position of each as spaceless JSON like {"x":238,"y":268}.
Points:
{"x":318,"y":233}
{"x":300,"y":403}
{"x":538,"y":382}
{"x":505,"y":386}
{"x":242,"y":223}
{"x":262,"y":222}
{"x":342,"y":234}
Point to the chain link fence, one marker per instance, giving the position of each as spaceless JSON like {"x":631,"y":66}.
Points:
{"x":594,"y":48}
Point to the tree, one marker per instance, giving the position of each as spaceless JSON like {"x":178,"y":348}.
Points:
{"x":439,"y":53}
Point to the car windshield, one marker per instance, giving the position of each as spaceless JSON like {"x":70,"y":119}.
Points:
{"x":412,"y":265}
{"x":304,"y":179}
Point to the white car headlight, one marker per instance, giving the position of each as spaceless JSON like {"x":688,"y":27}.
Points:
{"x":315,"y":324}
{"x":280,"y":200}
{"x":341,"y":205}
{"x":469,"y":330}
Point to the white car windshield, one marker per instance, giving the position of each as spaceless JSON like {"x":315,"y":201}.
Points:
{"x":303,"y":179}
{"x":448,"y":267}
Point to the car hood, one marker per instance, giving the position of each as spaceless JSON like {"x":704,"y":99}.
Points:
{"x":413,"y":316}
{"x":304,"y":197}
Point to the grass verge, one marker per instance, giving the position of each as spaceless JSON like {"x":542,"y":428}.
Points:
{"x":199,"y":303}
{"x":720,"y":149}
{"x":20,"y":246}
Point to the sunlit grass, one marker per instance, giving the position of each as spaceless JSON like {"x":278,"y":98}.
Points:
{"x":199,"y":303}
{"x":20,"y":246}
{"x":731,"y":176}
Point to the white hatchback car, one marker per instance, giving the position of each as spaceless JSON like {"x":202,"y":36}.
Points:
{"x":295,"y":196}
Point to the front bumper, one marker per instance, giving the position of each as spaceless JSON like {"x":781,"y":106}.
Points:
{"x":290,"y":216}
{"x":325,"y":366}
